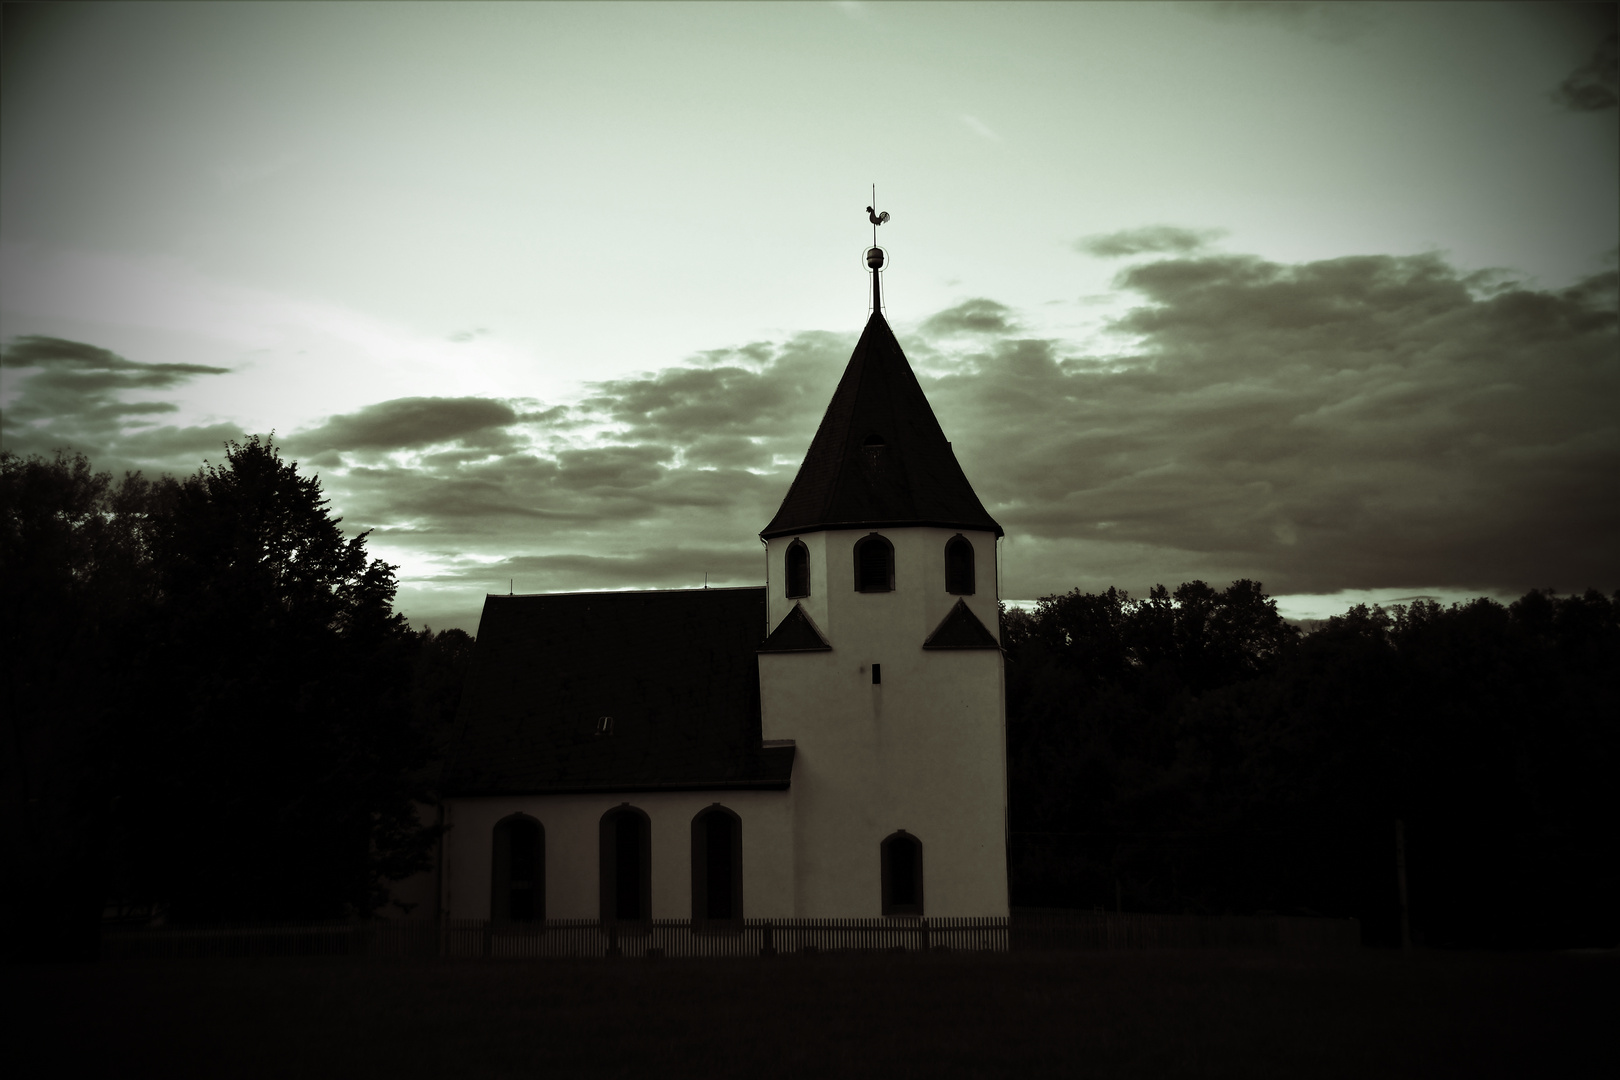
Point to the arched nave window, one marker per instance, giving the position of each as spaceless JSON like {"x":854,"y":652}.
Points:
{"x":874,"y":564}
{"x":902,"y":874}
{"x":624,"y":867}
{"x":717,"y":866}
{"x":959,"y":566}
{"x":798,"y":570}
{"x":518,"y":892}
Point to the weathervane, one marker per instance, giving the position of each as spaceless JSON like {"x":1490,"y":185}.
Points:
{"x":874,"y":254}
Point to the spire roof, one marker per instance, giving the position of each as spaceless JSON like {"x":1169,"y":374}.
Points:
{"x":880,"y":458}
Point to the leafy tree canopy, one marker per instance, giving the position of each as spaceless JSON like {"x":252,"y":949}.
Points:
{"x":249,"y":726}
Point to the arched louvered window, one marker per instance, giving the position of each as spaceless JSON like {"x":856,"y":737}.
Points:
{"x":624,"y":866}
{"x":519,"y":887}
{"x":717,"y":868}
{"x":959,"y":566}
{"x":902,"y":874}
{"x":874,"y":564}
{"x":798,"y":570}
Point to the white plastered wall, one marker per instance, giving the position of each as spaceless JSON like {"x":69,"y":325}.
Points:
{"x":571,"y":824}
{"x":923,"y":751}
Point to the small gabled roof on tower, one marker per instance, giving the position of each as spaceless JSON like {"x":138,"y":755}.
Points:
{"x":880,"y":458}
{"x":797,"y":632}
{"x":961,"y":629}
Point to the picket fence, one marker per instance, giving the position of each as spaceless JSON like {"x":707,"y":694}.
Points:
{"x":678,"y":938}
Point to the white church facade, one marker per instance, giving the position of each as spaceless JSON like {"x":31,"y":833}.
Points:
{"x":831,"y":745}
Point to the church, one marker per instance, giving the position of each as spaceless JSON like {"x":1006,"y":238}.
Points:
{"x":831,"y":745}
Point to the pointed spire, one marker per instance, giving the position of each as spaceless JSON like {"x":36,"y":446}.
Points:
{"x":879,"y":459}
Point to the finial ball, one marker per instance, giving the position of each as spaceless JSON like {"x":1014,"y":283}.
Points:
{"x":874,"y":258}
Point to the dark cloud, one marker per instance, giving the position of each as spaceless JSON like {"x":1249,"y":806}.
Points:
{"x":1149,"y":238}
{"x":1595,"y":85}
{"x":69,"y":395}
{"x":1352,"y":423}
{"x":409,"y":423}
{"x":644,"y":481}
{"x":1367,"y":422}
{"x":1364,"y":422}
{"x":976,"y":316}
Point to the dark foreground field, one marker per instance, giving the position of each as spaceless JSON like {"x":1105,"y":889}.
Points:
{"x":1138,"y":1014}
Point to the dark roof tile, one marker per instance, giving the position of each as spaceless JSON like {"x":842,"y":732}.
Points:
{"x":675,"y":670}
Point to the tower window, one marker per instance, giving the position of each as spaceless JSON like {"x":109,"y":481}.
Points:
{"x":959,"y":566}
{"x":798,"y":570}
{"x":902,"y":875}
{"x":519,"y":887}
{"x":874,"y":564}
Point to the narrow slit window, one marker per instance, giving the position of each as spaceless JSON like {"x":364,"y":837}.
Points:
{"x":798,"y":570}
{"x":959,"y":566}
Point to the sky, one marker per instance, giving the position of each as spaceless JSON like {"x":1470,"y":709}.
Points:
{"x":553,"y":296}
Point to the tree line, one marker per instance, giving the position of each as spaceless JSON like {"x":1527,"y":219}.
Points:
{"x":211,"y":708}
{"x":212,"y":711}
{"x":1192,"y":751}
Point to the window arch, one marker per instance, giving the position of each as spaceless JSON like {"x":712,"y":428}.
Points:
{"x":518,"y":889}
{"x":624,"y":867}
{"x":717,"y":895}
{"x":874,"y":564}
{"x":798,"y":570}
{"x":902,"y":874}
{"x":959,"y":566}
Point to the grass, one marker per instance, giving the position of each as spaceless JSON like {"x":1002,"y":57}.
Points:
{"x":1143,"y":1014}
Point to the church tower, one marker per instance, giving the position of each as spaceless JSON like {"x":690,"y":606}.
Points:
{"x":883,"y":662}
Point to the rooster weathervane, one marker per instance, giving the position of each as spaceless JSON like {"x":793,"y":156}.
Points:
{"x":874,"y":217}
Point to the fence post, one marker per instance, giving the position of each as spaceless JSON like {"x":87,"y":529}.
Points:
{"x":489,"y":937}
{"x":925,"y":935}
{"x":769,"y":948}
{"x":613,"y":938}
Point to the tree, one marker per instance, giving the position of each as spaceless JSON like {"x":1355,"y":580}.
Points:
{"x":274,"y":733}
{"x":72,"y":588}
{"x":1099,"y":688}
{"x":211,"y":707}
{"x":1196,"y":751}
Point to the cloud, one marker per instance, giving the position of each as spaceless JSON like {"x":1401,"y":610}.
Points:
{"x":1355,"y":423}
{"x":68,"y":394}
{"x":1364,"y":422}
{"x":1149,"y":238}
{"x":1595,"y":85}
{"x":408,"y":423}
{"x":1367,"y":422}
{"x":980,"y":128}
{"x":976,"y":316}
